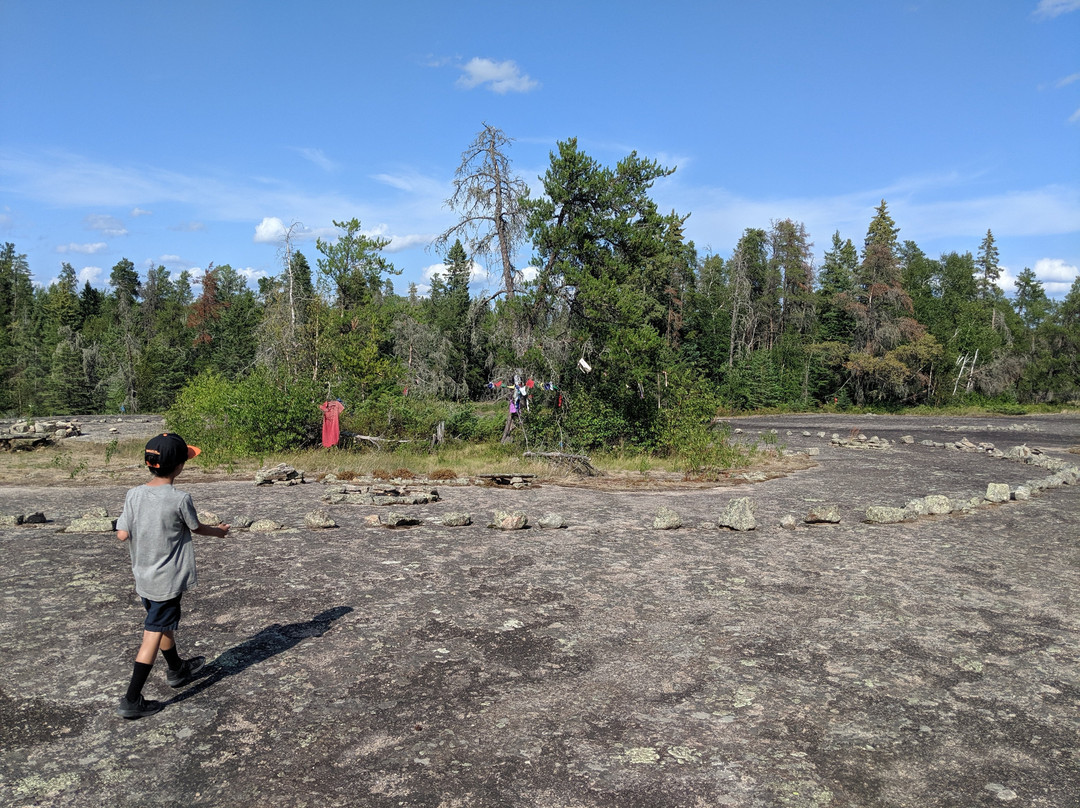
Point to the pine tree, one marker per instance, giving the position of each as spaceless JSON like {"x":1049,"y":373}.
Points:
{"x":986,"y":264}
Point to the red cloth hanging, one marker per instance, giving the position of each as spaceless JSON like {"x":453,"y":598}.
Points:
{"x":331,"y":429}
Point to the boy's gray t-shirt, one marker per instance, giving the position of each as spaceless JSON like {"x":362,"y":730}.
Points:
{"x":160,"y":519}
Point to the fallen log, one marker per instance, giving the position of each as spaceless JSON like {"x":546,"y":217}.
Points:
{"x":377,"y":442}
{"x":577,"y":464}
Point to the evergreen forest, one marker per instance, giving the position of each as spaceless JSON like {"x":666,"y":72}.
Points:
{"x":617,"y":331}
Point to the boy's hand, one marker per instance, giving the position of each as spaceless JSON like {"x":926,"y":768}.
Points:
{"x":219,"y":531}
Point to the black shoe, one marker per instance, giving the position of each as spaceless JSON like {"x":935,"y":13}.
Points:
{"x":186,"y":672}
{"x":137,"y":709}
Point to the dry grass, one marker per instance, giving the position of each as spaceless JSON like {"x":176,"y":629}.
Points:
{"x":120,"y":461}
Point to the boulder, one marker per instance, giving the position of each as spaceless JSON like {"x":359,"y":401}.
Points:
{"x":1021,"y":493}
{"x":319,"y":519}
{"x":998,"y":492}
{"x":265,"y":526}
{"x":36,"y":518}
{"x":788,"y":522}
{"x":739,"y":515}
{"x":454,"y":519}
{"x":395,"y":519}
{"x":883,"y":515}
{"x":551,"y":521}
{"x":917,"y":507}
{"x":666,"y":519}
{"x":10,"y":519}
{"x":281,"y":473}
{"x":91,"y":524}
{"x":938,"y":504}
{"x":509,"y":521}
{"x":820,"y":514}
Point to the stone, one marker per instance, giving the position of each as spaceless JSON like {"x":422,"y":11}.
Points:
{"x":998,"y":492}
{"x":319,"y":519}
{"x":91,"y":524}
{"x":10,"y":519}
{"x":813,"y":451}
{"x":208,"y":518}
{"x":96,"y":512}
{"x":820,"y":435}
{"x":282,"y":472}
{"x":821,"y":514}
{"x":917,"y":507}
{"x":551,"y":521}
{"x":1022,"y":493}
{"x":883,"y":515}
{"x":937,"y":504}
{"x":739,"y":515}
{"x":509,"y":521}
{"x":788,"y":522}
{"x":395,"y":519}
{"x":666,"y":519}
{"x":36,"y":518}
{"x":242,"y":521}
{"x":454,"y":519}
{"x":907,"y":439}
{"x":265,"y":526}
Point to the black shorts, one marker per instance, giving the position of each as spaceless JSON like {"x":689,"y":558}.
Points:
{"x":162,"y":615}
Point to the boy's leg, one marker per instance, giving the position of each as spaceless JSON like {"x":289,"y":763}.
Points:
{"x":151,"y":641}
{"x":161,"y":617}
{"x":181,"y":671}
{"x":168,"y":650}
{"x":133,"y":705}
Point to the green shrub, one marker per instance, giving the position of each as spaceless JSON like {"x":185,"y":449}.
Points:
{"x":589,"y":423}
{"x":255,"y":415}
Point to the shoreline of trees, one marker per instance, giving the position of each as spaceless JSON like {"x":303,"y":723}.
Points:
{"x":669,"y":335}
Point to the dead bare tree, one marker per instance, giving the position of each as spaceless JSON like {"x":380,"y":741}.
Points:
{"x":488,"y":198}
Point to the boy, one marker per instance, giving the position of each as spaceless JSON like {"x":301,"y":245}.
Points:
{"x":158,"y":521}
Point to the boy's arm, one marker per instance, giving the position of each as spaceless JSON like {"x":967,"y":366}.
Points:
{"x":210,"y":530}
{"x":123,"y":535}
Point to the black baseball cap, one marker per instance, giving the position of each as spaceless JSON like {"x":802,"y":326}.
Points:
{"x":168,"y":450}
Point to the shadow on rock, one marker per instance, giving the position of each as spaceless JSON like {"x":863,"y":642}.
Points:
{"x":269,"y":642}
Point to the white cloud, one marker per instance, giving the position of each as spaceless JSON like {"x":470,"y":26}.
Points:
{"x":1065,"y":82}
{"x":399,"y":243}
{"x":317,"y":157}
{"x":1075,"y":116}
{"x":251,"y":276}
{"x":106,"y":225}
{"x":271,"y":230}
{"x":1048,"y":9}
{"x":91,"y":274}
{"x":501,"y":77}
{"x":1056,"y":275}
{"x":84,"y":249}
{"x":477,"y":273}
{"x":137,"y":212}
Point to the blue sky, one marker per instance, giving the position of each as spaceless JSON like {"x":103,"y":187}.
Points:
{"x":187,"y":133}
